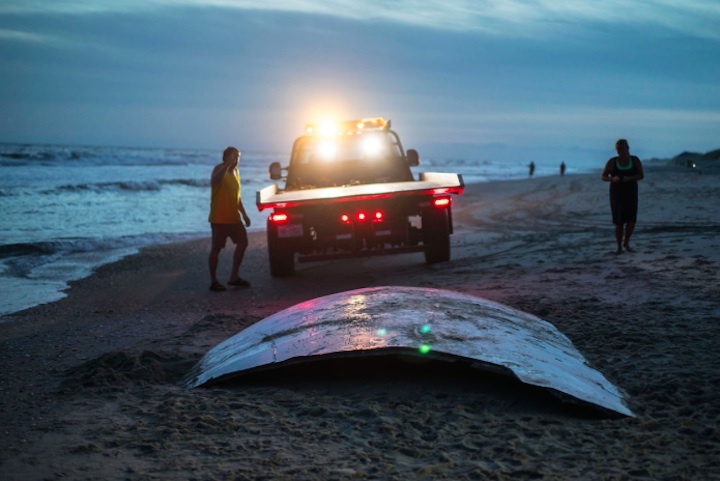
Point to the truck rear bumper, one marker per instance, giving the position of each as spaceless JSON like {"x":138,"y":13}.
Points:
{"x":363,"y":253}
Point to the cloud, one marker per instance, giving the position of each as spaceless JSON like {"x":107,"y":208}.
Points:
{"x":89,"y":70}
{"x":20,"y":36}
{"x":500,"y":17}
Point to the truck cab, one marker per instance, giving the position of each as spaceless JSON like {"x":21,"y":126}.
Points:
{"x":349,"y":192}
{"x":367,"y":155}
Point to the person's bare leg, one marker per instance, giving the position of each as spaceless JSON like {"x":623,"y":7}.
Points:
{"x":628,"y":232}
{"x":238,"y":256}
{"x":619,"y":237}
{"x":213,"y":263}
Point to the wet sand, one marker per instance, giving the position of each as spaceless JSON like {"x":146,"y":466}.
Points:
{"x":90,"y":386}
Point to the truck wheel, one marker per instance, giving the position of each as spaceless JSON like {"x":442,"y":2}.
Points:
{"x":282,"y":259}
{"x":436,"y":236}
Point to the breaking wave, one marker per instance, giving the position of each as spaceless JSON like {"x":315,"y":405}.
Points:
{"x":129,"y":186}
{"x":21,"y":258}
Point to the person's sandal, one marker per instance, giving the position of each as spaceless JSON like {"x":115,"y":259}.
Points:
{"x":239,"y":282}
{"x":217,"y":287}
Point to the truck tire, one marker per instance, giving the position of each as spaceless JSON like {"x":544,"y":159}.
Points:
{"x":282,"y":258}
{"x":436,"y":235}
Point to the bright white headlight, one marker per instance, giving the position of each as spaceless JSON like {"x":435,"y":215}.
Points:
{"x":327,"y":150}
{"x":372,"y":145}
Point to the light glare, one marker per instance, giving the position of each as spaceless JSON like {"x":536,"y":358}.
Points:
{"x":372,"y":146}
{"x":327,"y":150}
{"x":327,"y":128}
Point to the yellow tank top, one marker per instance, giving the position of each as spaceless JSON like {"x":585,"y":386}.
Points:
{"x":224,"y":200}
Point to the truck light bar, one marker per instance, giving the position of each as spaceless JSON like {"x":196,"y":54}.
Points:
{"x":348,"y":127}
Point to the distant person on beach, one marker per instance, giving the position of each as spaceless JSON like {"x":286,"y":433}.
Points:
{"x":226,"y":207}
{"x":623,"y":172}
{"x":532,"y":168}
{"x":562,"y":168}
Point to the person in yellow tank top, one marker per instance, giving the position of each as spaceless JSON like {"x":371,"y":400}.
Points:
{"x":226,"y":209}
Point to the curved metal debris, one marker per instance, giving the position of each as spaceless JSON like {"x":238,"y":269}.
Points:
{"x":417,"y":321}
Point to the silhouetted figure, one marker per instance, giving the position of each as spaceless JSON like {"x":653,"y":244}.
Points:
{"x":532,"y":168}
{"x":623,"y":172}
{"x":562,"y":168}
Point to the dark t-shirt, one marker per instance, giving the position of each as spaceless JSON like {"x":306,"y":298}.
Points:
{"x":624,"y":195}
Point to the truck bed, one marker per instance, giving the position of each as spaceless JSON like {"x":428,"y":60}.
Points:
{"x":429,"y":183}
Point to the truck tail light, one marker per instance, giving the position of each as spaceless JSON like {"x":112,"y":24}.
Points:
{"x":441,"y":202}
{"x":344,"y":218}
{"x":279,"y":218}
{"x":361,"y":216}
{"x":378,"y":216}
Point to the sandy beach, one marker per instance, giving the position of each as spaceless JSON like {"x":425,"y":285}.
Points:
{"x":90,"y":386}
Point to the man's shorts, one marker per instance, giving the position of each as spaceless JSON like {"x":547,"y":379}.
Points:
{"x":220,"y":233}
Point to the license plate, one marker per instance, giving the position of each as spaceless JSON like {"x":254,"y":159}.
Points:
{"x":290,"y":230}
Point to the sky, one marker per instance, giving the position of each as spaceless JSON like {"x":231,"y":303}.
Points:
{"x":542,"y":80}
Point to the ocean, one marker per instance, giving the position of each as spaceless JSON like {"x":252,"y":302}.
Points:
{"x":66,"y":210}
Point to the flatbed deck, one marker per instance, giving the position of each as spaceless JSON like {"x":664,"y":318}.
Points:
{"x":430,"y":183}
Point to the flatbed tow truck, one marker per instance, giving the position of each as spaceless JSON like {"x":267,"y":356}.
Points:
{"x":349,"y":192}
